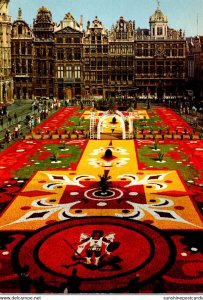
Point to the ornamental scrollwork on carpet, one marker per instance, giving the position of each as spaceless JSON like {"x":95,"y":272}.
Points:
{"x":45,"y":210}
{"x":155,"y":180}
{"x":154,"y":210}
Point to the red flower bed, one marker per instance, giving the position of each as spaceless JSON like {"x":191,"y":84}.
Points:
{"x":56,"y":120}
{"x":172,"y":120}
{"x":18,"y":155}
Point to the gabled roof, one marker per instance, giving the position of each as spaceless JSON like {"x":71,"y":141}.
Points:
{"x":21,"y":22}
{"x":67,"y":29}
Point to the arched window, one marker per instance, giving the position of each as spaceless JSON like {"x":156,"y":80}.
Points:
{"x":20,"y":29}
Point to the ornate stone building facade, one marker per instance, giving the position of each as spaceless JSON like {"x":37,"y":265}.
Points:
{"x":22,"y":58}
{"x":6,"y":81}
{"x":66,"y":61}
{"x":96,"y":61}
{"x":122,"y":59}
{"x":43,"y":54}
{"x":195,"y":67}
{"x":68,"y":58}
{"x":160,"y":58}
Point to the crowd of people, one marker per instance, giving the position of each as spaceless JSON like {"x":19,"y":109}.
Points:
{"x":45,"y":104}
{"x":12,"y":134}
{"x":40,"y":110}
{"x":193,"y":112}
{"x":73,"y":283}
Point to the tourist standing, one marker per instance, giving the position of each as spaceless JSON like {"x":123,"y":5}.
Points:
{"x":25,"y":281}
{"x":73,"y":283}
{"x":159,"y":286}
{"x":40,"y":285}
{"x":134,"y":285}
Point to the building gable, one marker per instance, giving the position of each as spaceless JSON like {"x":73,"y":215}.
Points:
{"x":67,"y":30}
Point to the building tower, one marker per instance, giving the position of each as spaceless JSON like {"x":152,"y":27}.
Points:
{"x":160,"y":59}
{"x":6,"y":81}
{"x":158,"y":24}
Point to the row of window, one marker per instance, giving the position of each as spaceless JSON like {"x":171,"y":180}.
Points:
{"x":154,"y":52}
{"x":121,"y":35}
{"x":76,"y":73}
{"x":44,"y":81}
{"x":96,"y":49}
{"x":99,"y":61}
{"x":157,"y":45}
{"x":69,"y":72}
{"x":44,"y":68}
{"x":96,"y":76}
{"x":141,"y":49}
{"x":20,"y":48}
{"x":160,"y":70}
{"x":69,"y":54}
{"x":22,"y":66}
{"x":121,"y":62}
{"x":159,"y":31}
{"x":68,"y":40}
{"x":75,"y":54}
{"x":96,"y":39}
{"x":22,"y":69}
{"x":43,"y":52}
{"x":113,"y":61}
{"x":121,"y":49}
{"x":161,"y":62}
{"x":122,"y":77}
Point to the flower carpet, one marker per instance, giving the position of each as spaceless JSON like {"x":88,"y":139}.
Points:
{"x":167,"y":118}
{"x":172,"y":119}
{"x":149,"y":222}
{"x":69,"y":118}
{"x":138,"y":114}
{"x":64,"y":119}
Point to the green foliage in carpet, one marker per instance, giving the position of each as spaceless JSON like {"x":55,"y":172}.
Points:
{"x":37,"y":164}
{"x":147,"y":156}
{"x":150,"y":124}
